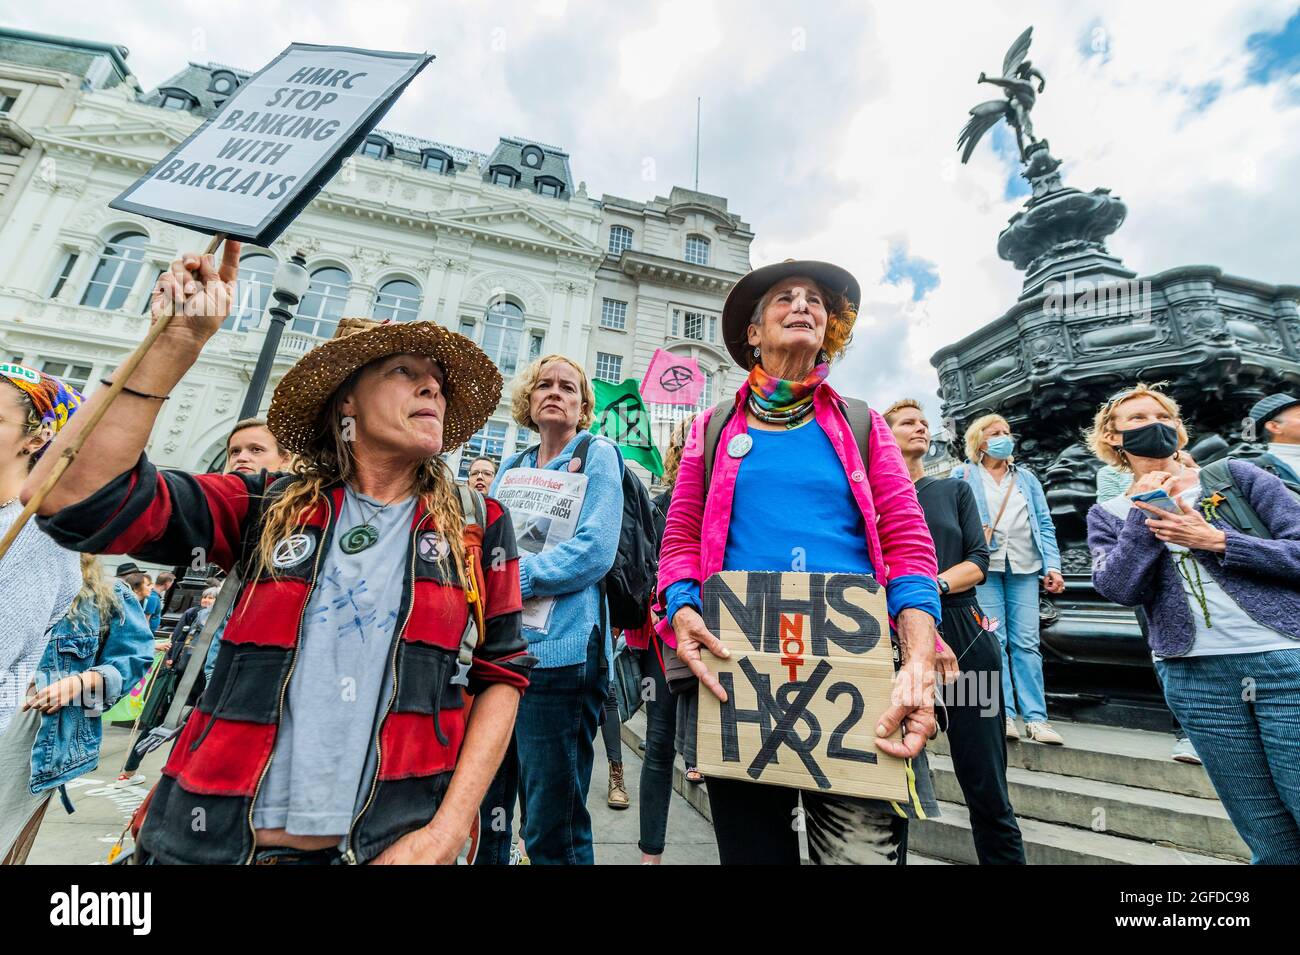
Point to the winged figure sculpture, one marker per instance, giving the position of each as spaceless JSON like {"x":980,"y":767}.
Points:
{"x":1017,"y":82}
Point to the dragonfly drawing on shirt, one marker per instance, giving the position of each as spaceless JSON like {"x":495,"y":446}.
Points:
{"x":341,"y":602}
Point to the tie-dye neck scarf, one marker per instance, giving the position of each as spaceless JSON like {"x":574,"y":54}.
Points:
{"x":779,"y":396}
{"x":53,"y":400}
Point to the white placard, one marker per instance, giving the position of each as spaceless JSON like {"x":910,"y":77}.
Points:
{"x":250,"y":169}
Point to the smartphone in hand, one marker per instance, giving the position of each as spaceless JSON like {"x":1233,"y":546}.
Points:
{"x":1158,"y":498}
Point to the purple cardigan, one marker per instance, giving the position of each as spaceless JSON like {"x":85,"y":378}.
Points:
{"x":1132,"y":567}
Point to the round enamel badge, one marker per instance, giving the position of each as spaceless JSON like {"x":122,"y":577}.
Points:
{"x":293,"y":550}
{"x":433,"y":546}
{"x":739,"y":446}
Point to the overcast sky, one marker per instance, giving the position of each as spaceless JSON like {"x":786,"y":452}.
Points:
{"x":830,"y":127}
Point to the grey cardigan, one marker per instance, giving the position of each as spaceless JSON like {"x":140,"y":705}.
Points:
{"x":1132,"y":567}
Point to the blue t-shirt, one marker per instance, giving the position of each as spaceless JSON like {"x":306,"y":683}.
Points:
{"x":153,"y":609}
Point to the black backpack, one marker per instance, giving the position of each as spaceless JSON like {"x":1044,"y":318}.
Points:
{"x":629,"y":586}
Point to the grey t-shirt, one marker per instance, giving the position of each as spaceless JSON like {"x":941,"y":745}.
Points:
{"x":341,"y":679}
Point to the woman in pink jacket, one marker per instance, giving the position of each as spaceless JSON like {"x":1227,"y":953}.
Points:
{"x":789,"y":489}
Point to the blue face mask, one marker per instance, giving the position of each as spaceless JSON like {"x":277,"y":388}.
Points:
{"x":1001,"y":446}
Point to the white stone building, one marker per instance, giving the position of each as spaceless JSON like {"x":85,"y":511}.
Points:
{"x":501,"y":246}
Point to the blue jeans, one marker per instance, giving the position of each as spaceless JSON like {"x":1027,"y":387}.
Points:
{"x":553,"y":745}
{"x":1012,"y":600}
{"x":1242,"y":713}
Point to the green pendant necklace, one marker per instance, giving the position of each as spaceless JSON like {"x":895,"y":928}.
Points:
{"x":363,"y":535}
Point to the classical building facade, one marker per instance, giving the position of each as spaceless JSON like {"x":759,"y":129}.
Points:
{"x":502,"y":246}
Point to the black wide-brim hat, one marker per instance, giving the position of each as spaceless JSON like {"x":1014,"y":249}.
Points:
{"x":472,"y":384}
{"x":745,"y":295}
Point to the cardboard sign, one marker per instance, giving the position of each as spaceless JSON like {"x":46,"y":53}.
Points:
{"x":811,"y":669}
{"x":250,"y":169}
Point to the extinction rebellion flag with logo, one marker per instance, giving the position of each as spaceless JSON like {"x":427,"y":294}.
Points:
{"x":621,"y":416}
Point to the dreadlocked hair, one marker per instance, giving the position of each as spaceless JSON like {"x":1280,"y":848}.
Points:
{"x":329,"y":459}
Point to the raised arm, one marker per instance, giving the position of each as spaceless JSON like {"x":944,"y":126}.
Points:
{"x":1125,"y":555}
{"x":198,"y":294}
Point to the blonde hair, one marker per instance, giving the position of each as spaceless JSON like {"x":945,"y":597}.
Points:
{"x":676,"y":445}
{"x":521,"y":393}
{"x":1103,"y":422}
{"x":329,"y":459}
{"x":975,"y":434}
{"x":900,"y":405}
{"x":96,"y":588}
{"x":840,"y":318}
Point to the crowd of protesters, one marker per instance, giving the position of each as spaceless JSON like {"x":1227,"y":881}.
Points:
{"x":344,"y":554}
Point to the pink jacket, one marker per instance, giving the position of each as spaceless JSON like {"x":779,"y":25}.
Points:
{"x":695,"y":535}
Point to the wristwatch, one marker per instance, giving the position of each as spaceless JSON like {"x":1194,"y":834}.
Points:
{"x":944,"y":587}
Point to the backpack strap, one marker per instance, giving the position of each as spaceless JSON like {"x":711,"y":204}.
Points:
{"x":1216,"y":478}
{"x":580,"y":451}
{"x":718,"y":417}
{"x":473,"y":510}
{"x":858,"y":413}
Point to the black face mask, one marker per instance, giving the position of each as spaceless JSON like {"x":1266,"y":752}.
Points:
{"x":1156,"y":440}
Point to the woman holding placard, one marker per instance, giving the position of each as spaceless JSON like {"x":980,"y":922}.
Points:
{"x":776,"y":478}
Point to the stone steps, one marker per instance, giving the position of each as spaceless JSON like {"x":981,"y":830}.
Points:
{"x":1152,"y":815}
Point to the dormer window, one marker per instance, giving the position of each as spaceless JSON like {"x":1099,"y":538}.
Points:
{"x":222,"y":83}
{"x":177,"y":99}
{"x":436,"y":161}
{"x":505,"y":176}
{"x":549,"y":186}
{"x":376,"y":148}
{"x":532,"y":157}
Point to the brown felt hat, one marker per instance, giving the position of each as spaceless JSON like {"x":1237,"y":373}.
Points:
{"x":472,"y":382}
{"x":745,"y":295}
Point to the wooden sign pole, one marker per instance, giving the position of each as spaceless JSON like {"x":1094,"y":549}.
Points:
{"x":70,"y":452}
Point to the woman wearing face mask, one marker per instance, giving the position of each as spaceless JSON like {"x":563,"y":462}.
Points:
{"x":1223,"y":612}
{"x":1022,"y":550}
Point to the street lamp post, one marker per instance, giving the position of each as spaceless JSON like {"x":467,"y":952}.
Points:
{"x":288,"y":288}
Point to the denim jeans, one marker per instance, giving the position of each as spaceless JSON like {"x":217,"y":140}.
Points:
{"x":1012,"y":600}
{"x":657,"y":764}
{"x":1242,"y":713}
{"x":554,"y":738}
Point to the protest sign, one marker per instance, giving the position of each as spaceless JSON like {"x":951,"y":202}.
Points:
{"x":544,"y":507}
{"x":672,"y":379}
{"x":250,"y":169}
{"x":810,"y":671}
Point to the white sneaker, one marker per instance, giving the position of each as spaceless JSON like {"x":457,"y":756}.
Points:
{"x":1013,"y":731}
{"x":1185,"y":752}
{"x":1040,"y":731}
{"x":123,"y":780}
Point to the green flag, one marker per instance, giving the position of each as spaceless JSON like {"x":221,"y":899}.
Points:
{"x":622,"y":417}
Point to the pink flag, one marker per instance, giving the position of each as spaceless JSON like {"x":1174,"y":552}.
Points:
{"x":672,"y":379}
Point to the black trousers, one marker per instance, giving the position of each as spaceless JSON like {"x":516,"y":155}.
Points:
{"x":977,"y":735}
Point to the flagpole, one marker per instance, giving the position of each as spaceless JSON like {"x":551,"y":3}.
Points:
{"x":697,"y":144}
{"x":70,"y":452}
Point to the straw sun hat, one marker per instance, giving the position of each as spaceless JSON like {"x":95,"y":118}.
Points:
{"x":472,"y":382}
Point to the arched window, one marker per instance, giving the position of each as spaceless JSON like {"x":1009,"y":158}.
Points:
{"x":253,"y":291}
{"x":620,"y":238}
{"x":503,"y":328}
{"x":116,"y":272}
{"x":697,"y":250}
{"x":398,"y":300}
{"x":322,"y":306}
